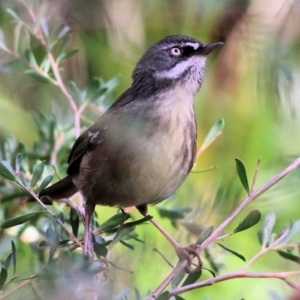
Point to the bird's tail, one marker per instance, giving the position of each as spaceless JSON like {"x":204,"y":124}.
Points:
{"x":64,"y":188}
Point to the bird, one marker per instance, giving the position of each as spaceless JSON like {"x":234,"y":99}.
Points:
{"x":140,"y":151}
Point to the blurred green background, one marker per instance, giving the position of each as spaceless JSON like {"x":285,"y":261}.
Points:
{"x":253,"y":82}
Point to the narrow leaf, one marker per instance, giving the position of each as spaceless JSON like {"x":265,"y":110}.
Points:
{"x":23,"y":179}
{"x":8,"y":261}
{"x":64,"y":46}
{"x":6,"y":171}
{"x":96,"y":267}
{"x":178,"y":278}
{"x":192,"y":278}
{"x":18,"y":162}
{"x":19,"y":220}
{"x":289,"y":256}
{"x":268,"y":225}
{"x":14,"y":257}
{"x":127,"y":245}
{"x":45,"y":183}
{"x":173,"y":213}
{"x":140,"y":221}
{"x":123,"y":232}
{"x":241,"y":170}
{"x":114,"y":221}
{"x":43,"y":78}
{"x":3,"y":277}
{"x":232,"y":252}
{"x":74,"y":220}
{"x":294,"y":231}
{"x":65,"y":56}
{"x":163,"y":296}
{"x":252,"y":218}
{"x":30,"y":57}
{"x":210,"y":271}
{"x":126,"y":229}
{"x":205,"y":234}
{"x":213,"y":132}
{"x":37,"y":173}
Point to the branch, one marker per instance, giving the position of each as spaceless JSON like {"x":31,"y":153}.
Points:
{"x":237,"y":274}
{"x":223,"y":225}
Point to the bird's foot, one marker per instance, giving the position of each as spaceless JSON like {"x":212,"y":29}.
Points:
{"x":186,"y":253}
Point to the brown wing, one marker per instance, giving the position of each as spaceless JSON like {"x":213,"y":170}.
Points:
{"x":93,"y":136}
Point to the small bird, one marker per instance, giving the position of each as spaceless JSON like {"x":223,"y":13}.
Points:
{"x":143,"y":147}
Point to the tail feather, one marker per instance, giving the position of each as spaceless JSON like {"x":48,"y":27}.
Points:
{"x":64,"y":188}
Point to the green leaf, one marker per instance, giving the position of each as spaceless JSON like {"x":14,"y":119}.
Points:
{"x":14,"y":257}
{"x":178,"y":278}
{"x":294,"y":231}
{"x":232,"y":252}
{"x":45,"y":183}
{"x":14,"y":15}
{"x":96,"y":267}
{"x":3,"y":277}
{"x":252,"y":218}
{"x":37,"y":174}
{"x":43,"y":78}
{"x":192,"y":278}
{"x":114,"y":221}
{"x":6,"y":171}
{"x":205,"y":234}
{"x":210,"y":271}
{"x":174,"y":212}
{"x":127,"y":245}
{"x":163,"y":296}
{"x":65,"y":56}
{"x":20,"y":220}
{"x":29,"y":56}
{"x":241,"y":170}
{"x":289,"y":256}
{"x":268,"y":225}
{"x":123,"y":232}
{"x":18,"y":162}
{"x":64,"y":45}
{"x":126,"y":229}
{"x":8,"y":261}
{"x":177,"y":298}
{"x":74,"y":220}
{"x":213,"y":132}
{"x":95,"y":90}
{"x":23,"y":179}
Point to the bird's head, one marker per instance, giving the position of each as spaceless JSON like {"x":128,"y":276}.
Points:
{"x":176,"y":59}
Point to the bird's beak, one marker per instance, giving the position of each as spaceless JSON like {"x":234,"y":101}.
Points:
{"x":204,"y":50}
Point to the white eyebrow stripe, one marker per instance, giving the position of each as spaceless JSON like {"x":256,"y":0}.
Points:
{"x":194,"y":45}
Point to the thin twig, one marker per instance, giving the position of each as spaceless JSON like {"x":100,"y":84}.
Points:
{"x":15,"y":289}
{"x":255,"y":176}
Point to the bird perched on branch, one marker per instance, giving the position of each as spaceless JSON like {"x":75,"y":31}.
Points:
{"x":143,"y":147}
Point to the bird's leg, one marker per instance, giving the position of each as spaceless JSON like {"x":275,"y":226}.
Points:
{"x":88,"y":247}
{"x":182,"y":253}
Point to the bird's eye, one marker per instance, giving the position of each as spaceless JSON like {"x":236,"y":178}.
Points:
{"x":176,"y":51}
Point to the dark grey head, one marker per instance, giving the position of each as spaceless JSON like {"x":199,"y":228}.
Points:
{"x":176,"y":58}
